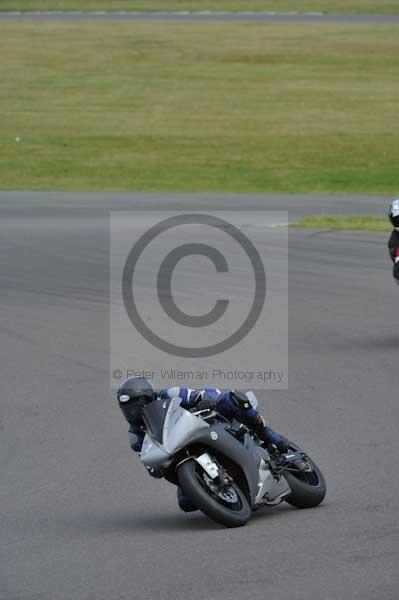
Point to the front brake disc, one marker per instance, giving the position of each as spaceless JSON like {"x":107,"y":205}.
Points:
{"x":225,"y":493}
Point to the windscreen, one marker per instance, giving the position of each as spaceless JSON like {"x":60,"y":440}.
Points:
{"x":154,"y":416}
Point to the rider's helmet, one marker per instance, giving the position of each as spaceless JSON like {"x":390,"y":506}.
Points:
{"x":133,"y":395}
{"x":393,"y":212}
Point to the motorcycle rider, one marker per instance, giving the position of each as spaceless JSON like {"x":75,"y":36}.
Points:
{"x":393,"y":242}
{"x":137,"y":392}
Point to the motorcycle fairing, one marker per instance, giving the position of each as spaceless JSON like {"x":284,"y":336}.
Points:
{"x":270,"y":488}
{"x":218,"y":439}
{"x":170,"y":427}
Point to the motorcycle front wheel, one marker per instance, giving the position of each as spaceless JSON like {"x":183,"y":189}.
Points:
{"x":227,"y":506}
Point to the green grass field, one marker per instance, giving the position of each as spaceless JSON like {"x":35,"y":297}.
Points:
{"x":356,"y":6}
{"x":349,"y":223}
{"x":199,"y":107}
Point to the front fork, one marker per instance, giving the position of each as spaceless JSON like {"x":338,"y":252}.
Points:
{"x":212,"y":468}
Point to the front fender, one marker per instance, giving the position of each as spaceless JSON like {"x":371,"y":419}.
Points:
{"x":218,"y":439}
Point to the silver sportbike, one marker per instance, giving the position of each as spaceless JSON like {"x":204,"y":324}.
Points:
{"x":222,"y":467}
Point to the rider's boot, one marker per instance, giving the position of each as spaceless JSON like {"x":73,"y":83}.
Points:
{"x":272,"y":437}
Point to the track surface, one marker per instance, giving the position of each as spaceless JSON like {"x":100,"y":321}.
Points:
{"x":80,"y":517}
{"x":267,"y":17}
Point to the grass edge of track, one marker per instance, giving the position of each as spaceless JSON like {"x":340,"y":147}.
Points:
{"x":344,"y":223}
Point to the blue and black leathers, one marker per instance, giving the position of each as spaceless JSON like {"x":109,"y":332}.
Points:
{"x":248,"y":416}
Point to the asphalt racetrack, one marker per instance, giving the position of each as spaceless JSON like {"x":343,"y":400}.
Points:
{"x":80,"y":518}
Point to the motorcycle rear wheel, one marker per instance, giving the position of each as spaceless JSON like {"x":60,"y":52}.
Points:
{"x":308,"y":489}
{"x":193,"y":483}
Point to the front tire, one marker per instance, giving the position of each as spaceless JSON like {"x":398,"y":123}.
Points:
{"x":308,"y":489}
{"x":191,"y":479}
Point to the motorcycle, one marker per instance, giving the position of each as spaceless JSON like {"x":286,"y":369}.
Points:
{"x":222,"y":467}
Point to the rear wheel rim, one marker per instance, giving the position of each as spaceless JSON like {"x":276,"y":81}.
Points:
{"x":311,"y":478}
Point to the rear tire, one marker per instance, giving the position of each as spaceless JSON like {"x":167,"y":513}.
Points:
{"x":308,"y":489}
{"x":189,"y":474}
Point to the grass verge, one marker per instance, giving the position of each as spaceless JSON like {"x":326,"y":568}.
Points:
{"x":240,"y":107}
{"x":330,"y":6}
{"x":350,"y":223}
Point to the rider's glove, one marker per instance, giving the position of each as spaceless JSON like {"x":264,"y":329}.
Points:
{"x":196,"y":396}
{"x":193,"y":399}
{"x":206,"y":403}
